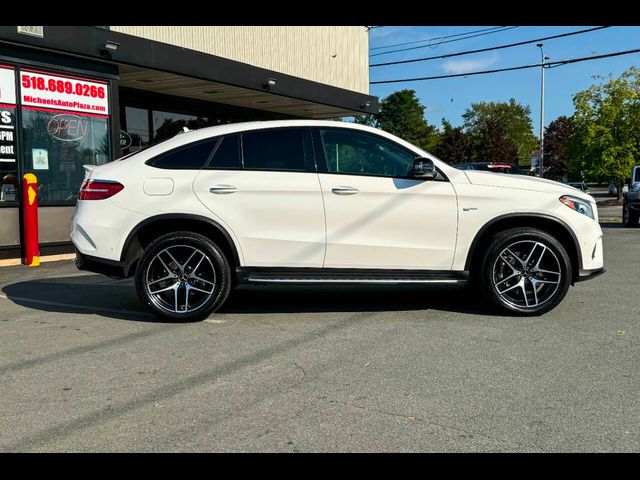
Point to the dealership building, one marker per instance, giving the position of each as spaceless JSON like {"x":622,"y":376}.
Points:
{"x":85,"y":95}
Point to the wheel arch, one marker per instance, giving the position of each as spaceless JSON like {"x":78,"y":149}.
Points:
{"x":547,"y":223}
{"x":150,"y":228}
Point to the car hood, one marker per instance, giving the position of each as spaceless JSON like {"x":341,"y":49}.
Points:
{"x":524,"y":182}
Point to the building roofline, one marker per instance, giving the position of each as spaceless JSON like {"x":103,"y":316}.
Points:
{"x":87,"y":41}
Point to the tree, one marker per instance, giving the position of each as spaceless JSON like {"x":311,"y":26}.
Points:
{"x":512,"y":119}
{"x":455,"y":145}
{"x":557,"y":137}
{"x":370,"y":120}
{"x":402,"y":115}
{"x":607,"y":128}
{"x":492,"y":144}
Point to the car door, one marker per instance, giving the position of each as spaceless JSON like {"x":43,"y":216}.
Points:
{"x":263,"y":185}
{"x":377,"y":215}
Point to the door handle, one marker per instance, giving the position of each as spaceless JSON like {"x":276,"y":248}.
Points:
{"x":345,"y":190}
{"x":222,"y":189}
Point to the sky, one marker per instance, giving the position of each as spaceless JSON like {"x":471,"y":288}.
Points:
{"x":448,"y":98}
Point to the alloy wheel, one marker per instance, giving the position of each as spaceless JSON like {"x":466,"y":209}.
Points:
{"x":180,"y":279}
{"x":526,"y":274}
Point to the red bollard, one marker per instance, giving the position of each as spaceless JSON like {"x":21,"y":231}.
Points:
{"x":30,"y":218}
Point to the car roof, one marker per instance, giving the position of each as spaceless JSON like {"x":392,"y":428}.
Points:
{"x":190,"y":136}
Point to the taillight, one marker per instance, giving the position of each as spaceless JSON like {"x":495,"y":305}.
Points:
{"x":99,"y":189}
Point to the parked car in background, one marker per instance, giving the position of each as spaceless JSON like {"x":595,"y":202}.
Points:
{"x":579,"y":185}
{"x":631,"y":200}
{"x":491,"y":167}
{"x":309,"y":201}
{"x":613,"y":189}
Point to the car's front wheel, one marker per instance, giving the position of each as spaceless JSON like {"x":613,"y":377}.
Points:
{"x":525,"y":271}
{"x":183,"y":276}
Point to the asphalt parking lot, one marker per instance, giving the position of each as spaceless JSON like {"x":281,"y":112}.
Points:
{"x":83,"y":367}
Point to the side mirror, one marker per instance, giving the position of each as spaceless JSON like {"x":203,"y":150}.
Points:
{"x":424,"y":168}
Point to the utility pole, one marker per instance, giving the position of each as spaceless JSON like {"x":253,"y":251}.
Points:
{"x":539,"y":45}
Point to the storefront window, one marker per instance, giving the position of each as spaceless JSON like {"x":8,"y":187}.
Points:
{"x":168,"y":124}
{"x":8,"y":155}
{"x":137,"y":122}
{"x":57,"y":145}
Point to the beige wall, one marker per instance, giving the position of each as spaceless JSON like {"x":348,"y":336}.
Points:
{"x":337,"y":56}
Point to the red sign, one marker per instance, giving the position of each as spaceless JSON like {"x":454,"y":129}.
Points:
{"x":77,"y":94}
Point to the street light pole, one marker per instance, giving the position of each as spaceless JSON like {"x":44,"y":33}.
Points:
{"x":539,"y":45}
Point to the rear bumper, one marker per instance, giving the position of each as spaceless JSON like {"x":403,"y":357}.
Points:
{"x":103,"y":266}
{"x":589,"y":274}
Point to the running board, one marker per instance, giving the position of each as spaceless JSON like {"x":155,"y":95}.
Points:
{"x":349,"y":276}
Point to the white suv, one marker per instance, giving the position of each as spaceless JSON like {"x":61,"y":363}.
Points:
{"x":305,"y":201}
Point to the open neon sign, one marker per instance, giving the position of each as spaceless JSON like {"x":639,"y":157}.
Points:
{"x":67,"y":128}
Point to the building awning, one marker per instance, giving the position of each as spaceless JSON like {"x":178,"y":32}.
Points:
{"x":154,"y":66}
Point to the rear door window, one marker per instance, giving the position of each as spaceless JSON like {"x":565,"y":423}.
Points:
{"x":227,"y":155}
{"x":283,"y":149}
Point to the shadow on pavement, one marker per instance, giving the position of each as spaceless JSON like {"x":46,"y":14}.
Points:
{"x":96,"y":294}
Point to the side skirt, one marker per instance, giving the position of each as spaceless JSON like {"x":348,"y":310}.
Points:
{"x":261,"y":275}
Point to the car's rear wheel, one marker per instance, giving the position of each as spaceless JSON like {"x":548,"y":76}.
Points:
{"x":525,"y":271}
{"x":629,"y":217}
{"x":183,"y":276}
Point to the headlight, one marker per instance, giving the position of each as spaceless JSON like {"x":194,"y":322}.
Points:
{"x":578,"y":205}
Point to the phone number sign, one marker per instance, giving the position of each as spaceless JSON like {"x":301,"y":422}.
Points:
{"x":39,"y":89}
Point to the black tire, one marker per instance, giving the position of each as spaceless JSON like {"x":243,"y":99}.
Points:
{"x":629,"y":217}
{"x":500,"y":282}
{"x":174,"y":256}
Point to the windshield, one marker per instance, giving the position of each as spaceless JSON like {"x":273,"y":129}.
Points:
{"x":637,"y":175}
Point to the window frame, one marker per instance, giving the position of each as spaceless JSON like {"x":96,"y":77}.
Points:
{"x":323,"y":165}
{"x":238,"y":135}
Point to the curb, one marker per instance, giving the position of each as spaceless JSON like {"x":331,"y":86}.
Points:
{"x":12,"y":262}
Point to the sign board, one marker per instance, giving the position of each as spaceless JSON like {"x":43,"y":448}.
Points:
{"x":40,"y":158}
{"x":7,"y":135}
{"x":67,"y":127}
{"x":32,"y":31}
{"x":125,"y":140}
{"x":44,"y":90}
{"x":7,"y":118}
{"x":7,"y":85}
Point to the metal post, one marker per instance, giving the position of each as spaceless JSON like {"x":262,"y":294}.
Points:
{"x":539,"y":45}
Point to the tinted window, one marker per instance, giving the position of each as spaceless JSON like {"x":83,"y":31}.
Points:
{"x":190,"y":157}
{"x":281,"y":149}
{"x":227,"y":155}
{"x":363,"y":154}
{"x":637,"y":179}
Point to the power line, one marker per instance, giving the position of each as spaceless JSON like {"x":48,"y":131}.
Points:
{"x":480,"y":50}
{"x":436,"y":38}
{"x":521,"y":67}
{"x":502,"y":29}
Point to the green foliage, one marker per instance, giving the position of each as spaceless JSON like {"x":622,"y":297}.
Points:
{"x":401,"y":114}
{"x":512,"y":120}
{"x":455,"y":145}
{"x":369,"y":120}
{"x":557,"y":137}
{"x":491,"y":143}
{"x":607,"y":124}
